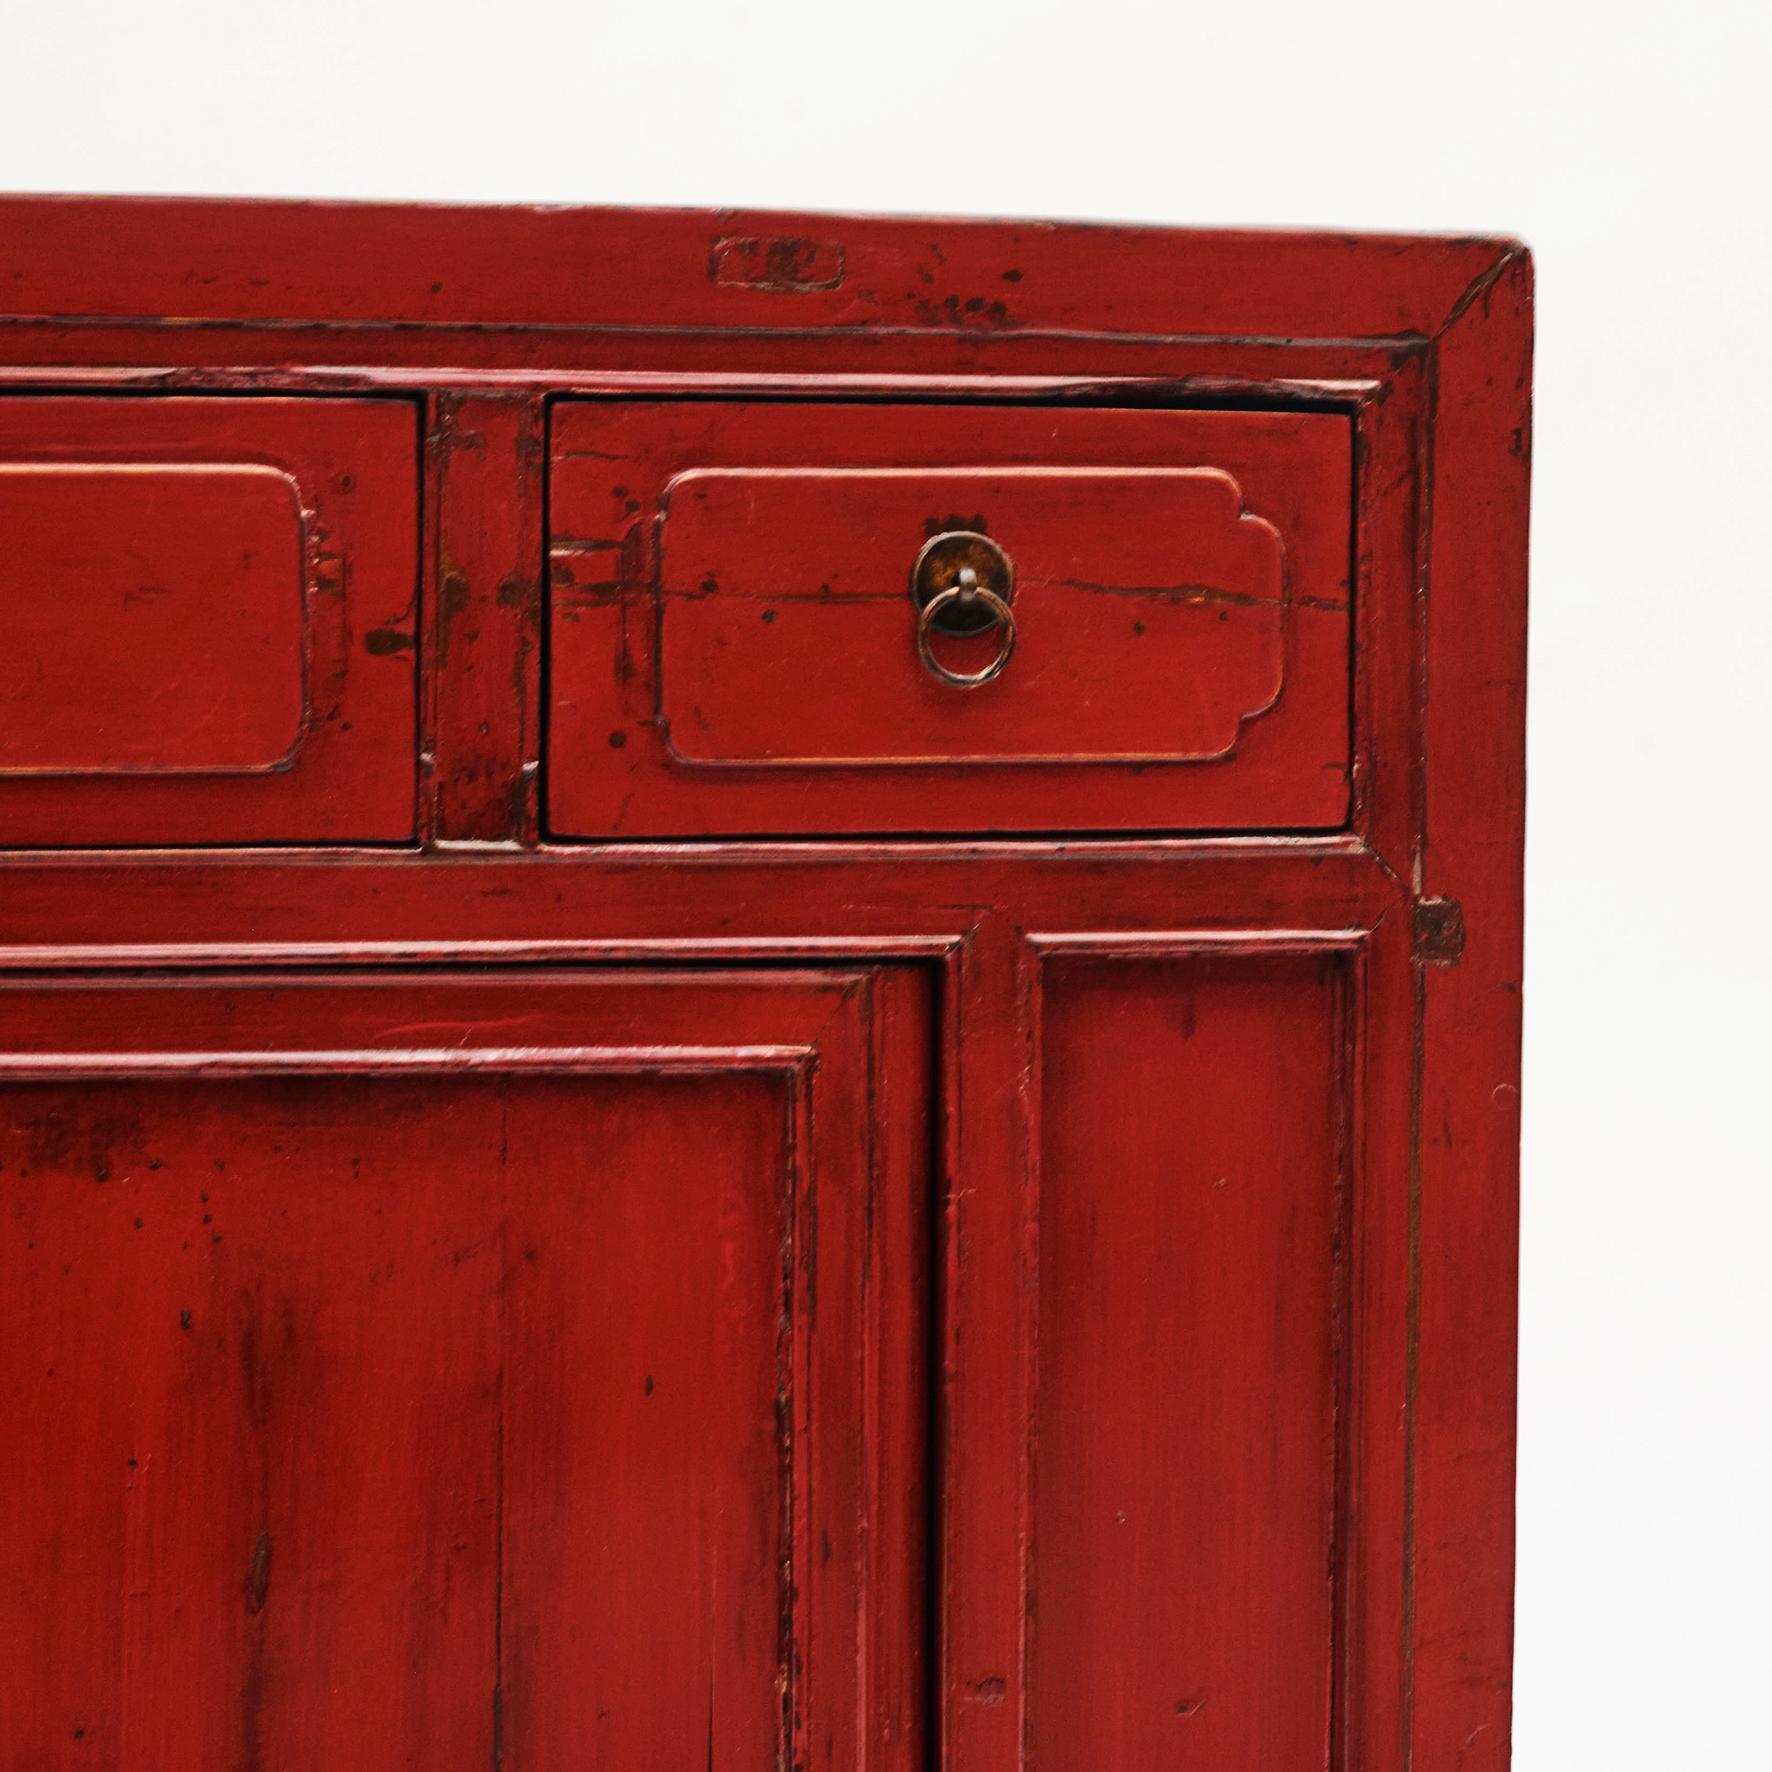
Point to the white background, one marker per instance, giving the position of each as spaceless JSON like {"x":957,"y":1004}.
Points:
{"x":1630,"y":147}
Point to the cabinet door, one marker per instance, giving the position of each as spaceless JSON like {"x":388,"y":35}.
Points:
{"x":415,"y":1371}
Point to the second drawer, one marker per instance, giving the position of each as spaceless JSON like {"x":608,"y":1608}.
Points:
{"x":771,"y":619}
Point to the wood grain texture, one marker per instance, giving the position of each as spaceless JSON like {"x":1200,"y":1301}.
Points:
{"x":857,"y":1074}
{"x":124,"y":585}
{"x":733,"y":637}
{"x":250,"y":1389}
{"x":787,"y":618}
{"x":483,"y":628}
{"x":1468,"y":1087}
{"x":1194,"y":1116}
{"x":517,"y":267}
{"x":422,"y":1405}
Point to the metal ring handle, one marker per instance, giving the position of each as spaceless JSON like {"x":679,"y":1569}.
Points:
{"x":999,"y":608}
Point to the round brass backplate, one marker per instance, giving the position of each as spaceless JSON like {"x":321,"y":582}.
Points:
{"x":939,"y":567}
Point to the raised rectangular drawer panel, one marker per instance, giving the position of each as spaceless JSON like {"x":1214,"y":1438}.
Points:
{"x":211,"y":610}
{"x":734,"y":638}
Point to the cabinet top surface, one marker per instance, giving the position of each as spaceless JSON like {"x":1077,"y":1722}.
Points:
{"x":251,"y":261}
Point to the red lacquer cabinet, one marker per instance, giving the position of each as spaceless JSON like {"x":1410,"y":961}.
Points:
{"x":759,"y":992}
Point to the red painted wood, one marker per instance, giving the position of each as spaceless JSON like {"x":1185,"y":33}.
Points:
{"x":483,"y":644}
{"x":774,"y":581}
{"x":731,"y":618}
{"x":125,"y":587}
{"x":250,"y":1387}
{"x":1468,"y":1087}
{"x":1184,"y":1428}
{"x":645,"y":1300}
{"x":213,"y":611}
{"x":396,"y":1368}
{"x":661,"y":268}
{"x":890,"y":1157}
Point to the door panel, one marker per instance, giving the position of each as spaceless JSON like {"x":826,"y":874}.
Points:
{"x":643,"y":1325}
{"x":250,"y":1404}
{"x":1192,"y":1132}
{"x":404,"y":1372}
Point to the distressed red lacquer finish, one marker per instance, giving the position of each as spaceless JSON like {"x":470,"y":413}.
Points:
{"x":1191,"y":1313}
{"x":211,"y":611}
{"x":601,"y":1164}
{"x":730,"y":594}
{"x":357,"y":1332}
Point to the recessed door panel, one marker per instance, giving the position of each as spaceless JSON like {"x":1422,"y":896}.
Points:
{"x":1192,"y":1114}
{"x":414,"y":1373}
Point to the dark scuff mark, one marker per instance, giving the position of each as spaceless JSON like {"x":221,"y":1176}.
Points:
{"x":1194,"y":595}
{"x":975,"y":313}
{"x":252,"y":1377}
{"x":1439,"y":932}
{"x":258,"y":1575}
{"x":67,"y":1138}
{"x":456,"y":595}
{"x":1482,"y":287}
{"x":252,"y":1689}
{"x":252,"y":1704}
{"x":384,"y":642}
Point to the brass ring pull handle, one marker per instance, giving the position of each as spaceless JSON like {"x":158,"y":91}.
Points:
{"x":1003,"y":615}
{"x":962,"y":584}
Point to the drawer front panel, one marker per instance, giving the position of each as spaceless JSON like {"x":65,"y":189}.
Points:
{"x":1096,"y":672}
{"x":122,"y":579}
{"x":212,"y":615}
{"x":735,"y":639}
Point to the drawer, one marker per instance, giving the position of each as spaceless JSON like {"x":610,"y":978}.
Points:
{"x":211,"y":611}
{"x":776,"y":619}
